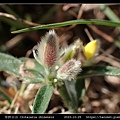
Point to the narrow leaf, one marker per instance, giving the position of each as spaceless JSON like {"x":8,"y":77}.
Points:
{"x":33,"y":76}
{"x":9,"y":64}
{"x":80,"y":90}
{"x":70,"y":86}
{"x":90,"y":21}
{"x":66,"y":99}
{"x":32,"y":64}
{"x":42,"y":99}
{"x":99,"y":71}
{"x":12,"y":65}
{"x":109,"y":13}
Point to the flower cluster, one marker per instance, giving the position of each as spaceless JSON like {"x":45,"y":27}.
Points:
{"x":61,"y":64}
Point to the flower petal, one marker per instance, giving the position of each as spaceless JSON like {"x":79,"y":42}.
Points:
{"x":91,"y":49}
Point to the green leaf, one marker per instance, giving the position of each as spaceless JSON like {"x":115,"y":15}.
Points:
{"x":66,"y":99}
{"x":12,"y":65}
{"x":33,"y":76}
{"x":42,"y":99}
{"x":99,"y":71}
{"x":109,"y":13}
{"x":70,"y":86}
{"x":32,"y":64}
{"x":73,"y":93}
{"x":80,"y":90}
{"x":60,"y":24}
{"x":9,"y":64}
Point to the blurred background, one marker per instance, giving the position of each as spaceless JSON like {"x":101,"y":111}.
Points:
{"x":102,"y":93}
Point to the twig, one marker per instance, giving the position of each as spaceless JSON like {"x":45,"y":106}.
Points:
{"x":18,"y":19}
{"x":102,"y":34}
{"x":8,"y":15}
{"x":80,"y":12}
{"x":15,"y":98}
{"x":5,"y":92}
{"x":4,"y":109}
{"x":55,"y":109}
{"x":108,"y":60}
{"x":17,"y":108}
{"x":15,"y":40}
{"x":109,"y":55}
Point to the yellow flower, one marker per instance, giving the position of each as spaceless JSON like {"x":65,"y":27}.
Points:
{"x":91,"y":49}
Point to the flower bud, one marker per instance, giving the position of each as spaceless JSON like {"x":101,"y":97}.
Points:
{"x":70,"y":52}
{"x":69,"y":70}
{"x":91,"y":49}
{"x":48,"y":48}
